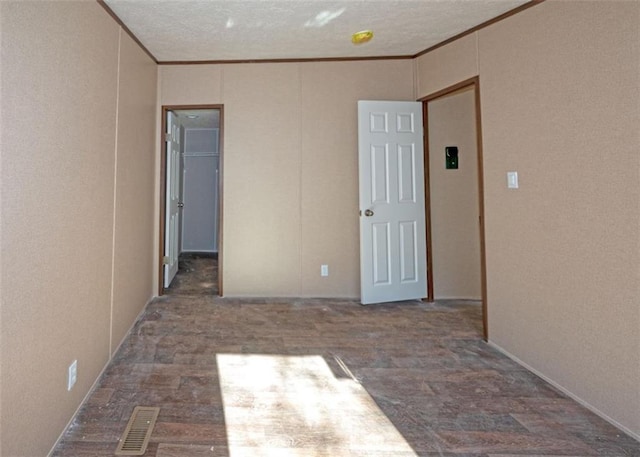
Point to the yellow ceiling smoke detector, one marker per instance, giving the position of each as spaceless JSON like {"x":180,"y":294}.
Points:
{"x":361,"y":37}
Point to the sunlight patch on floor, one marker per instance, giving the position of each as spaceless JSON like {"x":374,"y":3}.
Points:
{"x":288,"y":406}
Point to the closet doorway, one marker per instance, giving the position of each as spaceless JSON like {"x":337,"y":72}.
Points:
{"x":455,"y":195}
{"x":191,"y":194}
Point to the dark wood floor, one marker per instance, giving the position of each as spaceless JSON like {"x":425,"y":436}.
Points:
{"x":197,"y":275}
{"x":319,"y":378}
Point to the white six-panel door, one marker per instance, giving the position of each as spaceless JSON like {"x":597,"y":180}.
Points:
{"x":392,"y":212}
{"x":172,"y":217}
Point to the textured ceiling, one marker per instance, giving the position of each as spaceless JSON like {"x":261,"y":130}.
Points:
{"x":205,"y":30}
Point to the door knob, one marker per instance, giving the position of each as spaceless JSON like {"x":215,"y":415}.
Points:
{"x":180,"y":204}
{"x":368,"y":213}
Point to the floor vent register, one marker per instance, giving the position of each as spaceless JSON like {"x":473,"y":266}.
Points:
{"x":136,"y":436}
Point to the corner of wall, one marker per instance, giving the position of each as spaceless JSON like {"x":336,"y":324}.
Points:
{"x":565,"y":391}
{"x":115,"y":194}
{"x":155,"y":285}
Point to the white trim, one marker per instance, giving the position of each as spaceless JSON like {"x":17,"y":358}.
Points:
{"x":567,"y":392}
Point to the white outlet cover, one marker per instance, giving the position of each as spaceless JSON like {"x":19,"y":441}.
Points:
{"x":512,"y":179}
{"x":72,"y":374}
{"x":324,"y":270}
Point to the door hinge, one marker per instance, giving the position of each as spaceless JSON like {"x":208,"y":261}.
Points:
{"x":167,"y":136}
{"x":165,"y":260}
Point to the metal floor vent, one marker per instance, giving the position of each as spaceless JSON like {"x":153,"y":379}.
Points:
{"x":136,"y":436}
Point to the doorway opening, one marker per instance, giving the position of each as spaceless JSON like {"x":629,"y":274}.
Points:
{"x":191,"y":185}
{"x":450,"y":162}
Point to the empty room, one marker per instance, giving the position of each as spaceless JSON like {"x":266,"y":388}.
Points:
{"x":320,"y":228}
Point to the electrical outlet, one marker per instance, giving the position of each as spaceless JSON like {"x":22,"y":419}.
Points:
{"x":324,"y":270}
{"x":72,"y":376}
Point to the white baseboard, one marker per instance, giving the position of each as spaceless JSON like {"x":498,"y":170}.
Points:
{"x":568,"y":393}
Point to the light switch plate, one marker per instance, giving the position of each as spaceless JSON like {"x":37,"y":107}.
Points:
{"x":512,"y":179}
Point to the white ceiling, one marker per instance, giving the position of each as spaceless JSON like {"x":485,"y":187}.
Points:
{"x":199,"y":118}
{"x":212,"y":30}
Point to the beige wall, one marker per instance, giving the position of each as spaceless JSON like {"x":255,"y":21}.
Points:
{"x":58,"y":140}
{"x":455,"y":232}
{"x":455,"y":62}
{"x":134,"y":200}
{"x":1,"y":225}
{"x":290,"y":167}
{"x":560,"y":105}
{"x":559,"y":88}
{"x":262,"y":180}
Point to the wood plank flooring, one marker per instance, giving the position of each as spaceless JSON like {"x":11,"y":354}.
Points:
{"x":319,"y":378}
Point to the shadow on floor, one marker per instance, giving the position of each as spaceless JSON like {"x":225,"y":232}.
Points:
{"x":197,"y":275}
